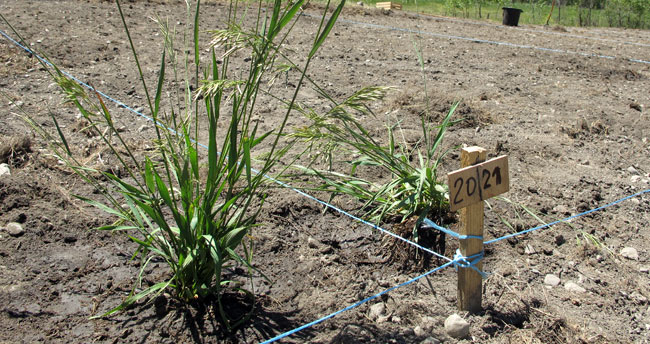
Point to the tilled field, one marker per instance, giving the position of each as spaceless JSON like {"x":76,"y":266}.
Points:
{"x":567,"y":105}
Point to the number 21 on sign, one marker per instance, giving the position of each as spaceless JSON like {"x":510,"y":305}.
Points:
{"x":479,"y":182}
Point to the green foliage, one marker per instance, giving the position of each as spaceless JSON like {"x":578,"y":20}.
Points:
{"x":614,"y":13}
{"x":413,"y":187}
{"x":196,"y":217}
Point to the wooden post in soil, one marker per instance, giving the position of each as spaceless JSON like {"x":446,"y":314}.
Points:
{"x":470,"y":282}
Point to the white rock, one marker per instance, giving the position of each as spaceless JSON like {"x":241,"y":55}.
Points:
{"x":630,"y":253}
{"x":551,"y":280}
{"x":428,"y":324}
{"x":572,"y":287}
{"x":530,"y":249}
{"x":430,"y":340}
{"x":14,"y":229}
{"x":376,"y":311}
{"x":311,"y":242}
{"x":456,"y":326}
{"x":632,"y":170}
{"x":4,"y":169}
{"x":418,"y":331}
{"x":635,"y":179}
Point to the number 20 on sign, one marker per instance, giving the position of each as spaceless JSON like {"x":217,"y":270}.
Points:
{"x":478,"y":182}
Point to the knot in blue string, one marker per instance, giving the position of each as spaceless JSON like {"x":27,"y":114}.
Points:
{"x":469,"y":262}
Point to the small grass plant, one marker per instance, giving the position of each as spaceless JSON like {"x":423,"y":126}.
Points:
{"x":193,"y":213}
{"x":412,"y":189}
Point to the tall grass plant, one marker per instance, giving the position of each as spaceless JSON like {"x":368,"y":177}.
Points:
{"x":195,"y":214}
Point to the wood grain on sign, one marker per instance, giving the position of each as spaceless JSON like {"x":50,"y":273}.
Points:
{"x":479,"y":182}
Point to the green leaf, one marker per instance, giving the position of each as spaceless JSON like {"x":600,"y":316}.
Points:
{"x":58,"y":129}
{"x":286,"y":18}
{"x":163,"y":191}
{"x":161,"y":80}
{"x":156,"y":288}
{"x":234,"y":237}
{"x":102,"y":206}
{"x":326,"y":30}
{"x":274,"y":19}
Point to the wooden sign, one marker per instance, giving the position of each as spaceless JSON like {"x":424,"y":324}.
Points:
{"x":479,"y":182}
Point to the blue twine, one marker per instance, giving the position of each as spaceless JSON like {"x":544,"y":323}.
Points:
{"x":430,"y":224}
{"x":469,"y":262}
{"x":476,"y":40}
{"x":206,"y":147}
{"x":84,"y":84}
{"x":288,"y":333}
{"x":566,"y":219}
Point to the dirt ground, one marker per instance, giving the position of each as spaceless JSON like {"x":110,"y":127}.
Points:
{"x":574,"y":124}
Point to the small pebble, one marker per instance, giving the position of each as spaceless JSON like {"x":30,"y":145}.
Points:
{"x":632,"y":170}
{"x":551,"y":280}
{"x":572,"y":287}
{"x":14,"y":229}
{"x":430,"y":340}
{"x":418,"y":331}
{"x":456,"y":326}
{"x":644,"y":269}
{"x":4,"y":169}
{"x":630,"y":253}
{"x":312,"y":243}
{"x":530,"y":250}
{"x":377,"y":310}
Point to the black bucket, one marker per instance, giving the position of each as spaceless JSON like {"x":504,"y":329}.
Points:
{"x":511,"y":16}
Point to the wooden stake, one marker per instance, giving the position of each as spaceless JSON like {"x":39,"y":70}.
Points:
{"x":470,"y":282}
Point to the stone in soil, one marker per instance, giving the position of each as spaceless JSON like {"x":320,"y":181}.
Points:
{"x":377,"y":310}
{"x":456,"y":326}
{"x":572,"y":287}
{"x":4,"y":170}
{"x":14,"y":229}
{"x":551,"y":280}
{"x":630,"y":253}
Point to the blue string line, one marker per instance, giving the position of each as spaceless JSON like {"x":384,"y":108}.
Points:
{"x":566,"y":219}
{"x":206,"y":147}
{"x":288,"y":333}
{"x":84,"y":84}
{"x":476,"y":40}
{"x":430,"y":224}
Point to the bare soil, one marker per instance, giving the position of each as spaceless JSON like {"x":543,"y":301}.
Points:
{"x":575,"y":128}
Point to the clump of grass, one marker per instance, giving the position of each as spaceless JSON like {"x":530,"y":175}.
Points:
{"x":413,"y":188}
{"x":193,"y":215}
